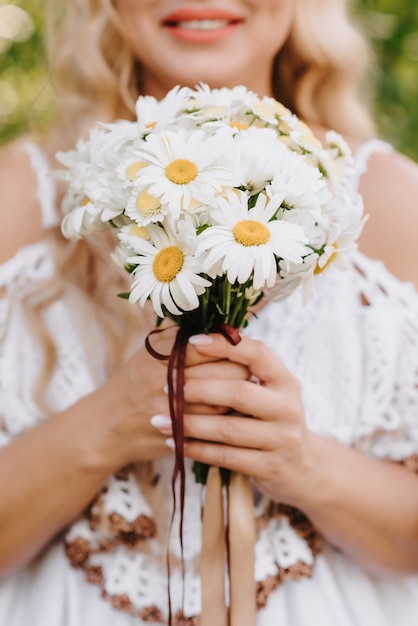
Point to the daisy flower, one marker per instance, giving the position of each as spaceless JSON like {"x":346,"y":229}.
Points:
{"x":155,"y":114}
{"x":341,"y":234}
{"x":84,"y":218}
{"x":248,"y":242}
{"x":301,"y":184}
{"x":144,"y":208}
{"x":185,"y":170}
{"x":167,"y":272}
{"x":258,"y":154}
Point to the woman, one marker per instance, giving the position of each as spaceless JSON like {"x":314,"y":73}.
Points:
{"x":86,"y":503}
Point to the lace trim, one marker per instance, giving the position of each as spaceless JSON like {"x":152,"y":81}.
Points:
{"x":46,"y":191}
{"x":30,"y":264}
{"x":361,"y":159}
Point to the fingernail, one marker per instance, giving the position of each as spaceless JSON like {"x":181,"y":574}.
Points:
{"x":170,"y":443}
{"x":254,"y":379}
{"x":200,"y":340}
{"x":160,"y":421}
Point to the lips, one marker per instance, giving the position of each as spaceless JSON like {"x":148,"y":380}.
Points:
{"x":201,"y":24}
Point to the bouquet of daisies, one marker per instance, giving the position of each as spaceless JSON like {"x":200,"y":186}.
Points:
{"x":215,"y":197}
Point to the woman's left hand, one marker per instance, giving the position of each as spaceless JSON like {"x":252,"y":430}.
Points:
{"x":266,"y":436}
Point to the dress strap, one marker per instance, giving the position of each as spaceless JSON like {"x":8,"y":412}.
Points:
{"x":46,"y":192}
{"x":361,"y":160}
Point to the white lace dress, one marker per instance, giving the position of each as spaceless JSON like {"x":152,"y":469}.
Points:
{"x":354,"y":347}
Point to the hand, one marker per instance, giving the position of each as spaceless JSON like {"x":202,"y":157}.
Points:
{"x":138,"y":390}
{"x":267,"y":438}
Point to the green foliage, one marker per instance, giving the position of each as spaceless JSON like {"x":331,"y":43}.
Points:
{"x":392,"y":27}
{"x":25,"y":92}
{"x":26,"y":97}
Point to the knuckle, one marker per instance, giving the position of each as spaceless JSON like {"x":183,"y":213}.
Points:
{"x":226,"y":456}
{"x":273,"y":467}
{"x":240,"y":392}
{"x":291,"y":442}
{"x":228,"y":430}
{"x":260,"y":348}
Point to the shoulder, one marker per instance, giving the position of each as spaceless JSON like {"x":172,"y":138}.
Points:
{"x":19,"y":208}
{"x":390,"y":193}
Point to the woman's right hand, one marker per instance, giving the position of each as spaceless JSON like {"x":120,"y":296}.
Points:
{"x":125,"y":404}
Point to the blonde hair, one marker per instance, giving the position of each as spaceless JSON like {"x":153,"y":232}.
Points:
{"x":322,"y":67}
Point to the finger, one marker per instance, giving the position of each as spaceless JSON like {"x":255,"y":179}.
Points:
{"x":261,"y":361}
{"x":245,"y":397}
{"x":218,"y":369}
{"x":250,"y":462}
{"x":232,"y":430}
{"x":205,"y":409}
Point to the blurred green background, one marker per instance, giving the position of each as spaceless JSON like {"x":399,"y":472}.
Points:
{"x":26,"y":97}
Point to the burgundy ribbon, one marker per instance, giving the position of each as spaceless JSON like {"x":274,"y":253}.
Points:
{"x":176,"y":379}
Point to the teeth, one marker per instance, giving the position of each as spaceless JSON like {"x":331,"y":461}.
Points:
{"x":204,"y":24}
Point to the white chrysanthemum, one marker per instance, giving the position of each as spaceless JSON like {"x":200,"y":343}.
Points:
{"x":336,"y":161}
{"x":92,"y":172}
{"x":217,"y":108}
{"x":248,"y":242}
{"x":301,"y":185}
{"x":82,"y":219}
{"x":155,"y":114}
{"x":258,"y":152}
{"x":185,"y":170}
{"x":167,"y":272}
{"x":336,"y":142}
{"x":294,"y":277}
{"x":223,"y":99}
{"x":303,"y":136}
{"x":342,"y":233}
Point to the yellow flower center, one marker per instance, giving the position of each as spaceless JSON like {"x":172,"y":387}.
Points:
{"x":168,"y":263}
{"x":239,"y":125}
{"x":147,"y":205}
{"x":251,"y":233}
{"x":318,"y":269}
{"x":151,"y":125}
{"x":139,"y":231}
{"x":181,"y":171}
{"x":133,"y":169}
{"x":85,"y":201}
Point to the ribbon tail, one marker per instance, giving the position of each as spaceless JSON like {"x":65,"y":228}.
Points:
{"x":213,"y":556}
{"x":241,"y":538}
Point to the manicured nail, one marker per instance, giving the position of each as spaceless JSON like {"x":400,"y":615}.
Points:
{"x":161,"y":421}
{"x":254,"y":379}
{"x":166,"y":389}
{"x":200,"y":340}
{"x":170,"y":443}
